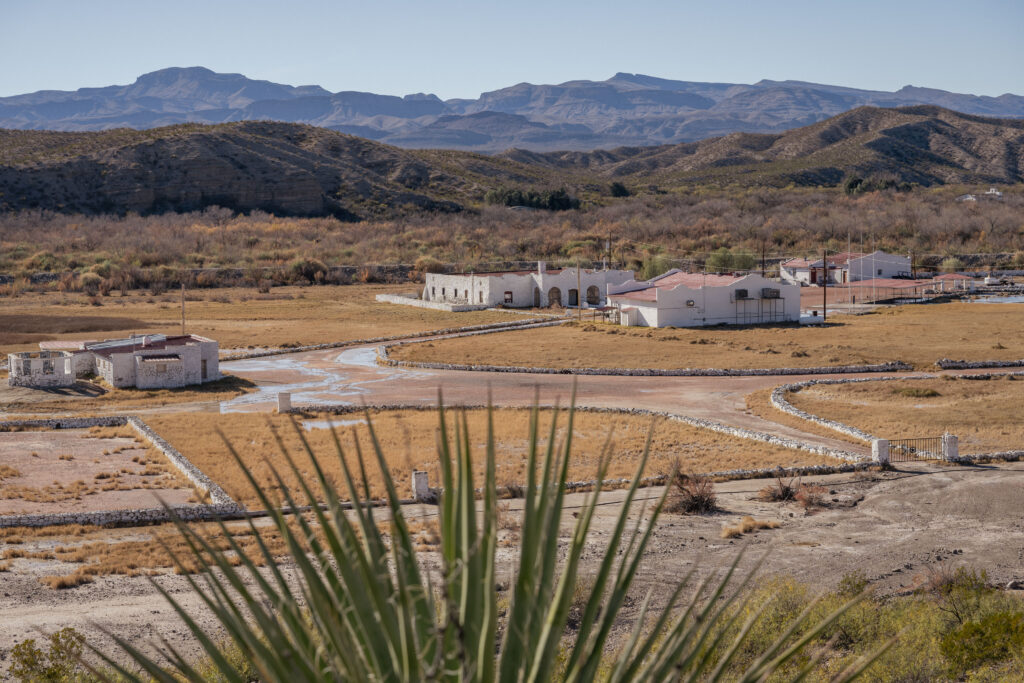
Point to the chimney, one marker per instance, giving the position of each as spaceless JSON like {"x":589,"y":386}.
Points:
{"x":541,"y":267}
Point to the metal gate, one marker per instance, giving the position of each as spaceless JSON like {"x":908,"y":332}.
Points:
{"x":907,"y":450}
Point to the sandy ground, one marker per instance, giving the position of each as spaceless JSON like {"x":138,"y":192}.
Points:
{"x":892,"y":526}
{"x":67,"y":471}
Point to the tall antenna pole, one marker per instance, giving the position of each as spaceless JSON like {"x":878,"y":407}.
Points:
{"x":762,"y":258}
{"x":182,"y":309}
{"x":824,"y":286}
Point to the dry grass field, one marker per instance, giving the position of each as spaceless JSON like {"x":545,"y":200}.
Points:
{"x":916,"y":334}
{"x":77,"y":470}
{"x":235,"y":317}
{"x":985,"y":414}
{"x":409,"y":442}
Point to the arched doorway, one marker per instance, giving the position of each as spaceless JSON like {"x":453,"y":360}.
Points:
{"x":536,"y":297}
{"x":554,"y":297}
{"x":574,"y":297}
{"x":593,"y":295}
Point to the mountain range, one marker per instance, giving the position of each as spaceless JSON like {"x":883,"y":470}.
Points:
{"x":298,"y":169}
{"x":625,"y":110}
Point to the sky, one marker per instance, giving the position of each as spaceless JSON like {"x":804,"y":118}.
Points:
{"x":456,"y":48}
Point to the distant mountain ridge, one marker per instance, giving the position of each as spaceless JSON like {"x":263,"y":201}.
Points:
{"x":298,"y":169}
{"x":625,"y":110}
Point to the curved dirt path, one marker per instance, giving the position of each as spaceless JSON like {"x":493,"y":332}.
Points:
{"x":352,"y":376}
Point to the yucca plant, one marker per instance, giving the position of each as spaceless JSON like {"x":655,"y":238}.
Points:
{"x":361,"y":607}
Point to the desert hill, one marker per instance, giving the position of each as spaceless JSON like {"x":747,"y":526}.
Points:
{"x":299,"y":169}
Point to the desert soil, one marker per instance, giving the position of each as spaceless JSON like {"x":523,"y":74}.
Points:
{"x":892,"y":526}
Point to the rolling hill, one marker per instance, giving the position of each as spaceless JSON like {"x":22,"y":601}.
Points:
{"x":297,"y":169}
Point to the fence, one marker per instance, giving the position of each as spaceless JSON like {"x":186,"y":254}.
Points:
{"x":907,"y":450}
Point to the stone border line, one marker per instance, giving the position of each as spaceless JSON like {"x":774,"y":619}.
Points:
{"x":221,"y":504}
{"x":947,"y":364}
{"x":384,"y":359}
{"x":779,"y":401}
{"x":701,"y":423}
{"x":488,"y":327}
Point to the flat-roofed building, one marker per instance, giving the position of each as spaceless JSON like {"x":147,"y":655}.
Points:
{"x":678,"y":299}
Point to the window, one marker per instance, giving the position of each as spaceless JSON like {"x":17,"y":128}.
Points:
{"x":433,"y":292}
{"x":879,"y":271}
{"x":47,"y":367}
{"x":443,"y":294}
{"x":508,"y":297}
{"x":481,"y":297}
{"x":465,"y":294}
{"x":26,"y":367}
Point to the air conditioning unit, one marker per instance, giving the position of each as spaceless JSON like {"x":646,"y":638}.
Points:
{"x":741,"y":294}
{"x":770,"y":293}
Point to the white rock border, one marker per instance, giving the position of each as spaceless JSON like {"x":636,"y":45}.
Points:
{"x":779,"y":401}
{"x":702,"y":423}
{"x":221,"y":506}
{"x":384,"y":359}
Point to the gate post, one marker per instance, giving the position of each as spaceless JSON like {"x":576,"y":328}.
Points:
{"x":284,"y":401}
{"x":950,"y":446}
{"x":420,"y":487}
{"x":880,"y":451}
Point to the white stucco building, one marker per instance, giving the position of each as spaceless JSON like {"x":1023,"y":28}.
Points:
{"x":678,"y":299}
{"x":523,"y":289}
{"x":145,"y":362}
{"x":845,"y":267}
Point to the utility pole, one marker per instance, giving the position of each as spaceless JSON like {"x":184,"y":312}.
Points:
{"x":182,"y":309}
{"x":579,"y":294}
{"x":762,"y":258}
{"x":824,"y":286}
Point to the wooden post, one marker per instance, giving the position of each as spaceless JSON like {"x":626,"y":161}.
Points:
{"x":182,"y":309}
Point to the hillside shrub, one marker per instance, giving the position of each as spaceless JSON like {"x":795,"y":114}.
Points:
{"x":993,"y":638}
{"x":551,"y":200}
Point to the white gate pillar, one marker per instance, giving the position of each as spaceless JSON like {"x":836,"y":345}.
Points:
{"x":950,"y":446}
{"x":880,"y":451}
{"x":284,"y":402}
{"x":420,"y":486}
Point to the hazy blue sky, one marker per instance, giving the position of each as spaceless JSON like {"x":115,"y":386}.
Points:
{"x":461,"y":48}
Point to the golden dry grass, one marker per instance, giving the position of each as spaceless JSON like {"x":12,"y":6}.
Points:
{"x":408,"y":439}
{"x":985,"y":414}
{"x":746,"y":525}
{"x":916,"y":334}
{"x":235,"y":317}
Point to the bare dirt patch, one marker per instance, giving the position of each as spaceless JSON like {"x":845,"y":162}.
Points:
{"x":985,"y":414}
{"x":915,"y":334}
{"x":236,"y":317}
{"x":408,"y":439}
{"x":74,"y":470}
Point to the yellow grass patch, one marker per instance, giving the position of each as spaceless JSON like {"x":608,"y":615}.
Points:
{"x":916,"y":334}
{"x":985,"y":414}
{"x":408,"y":439}
{"x":746,"y":525}
{"x":235,"y":317}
